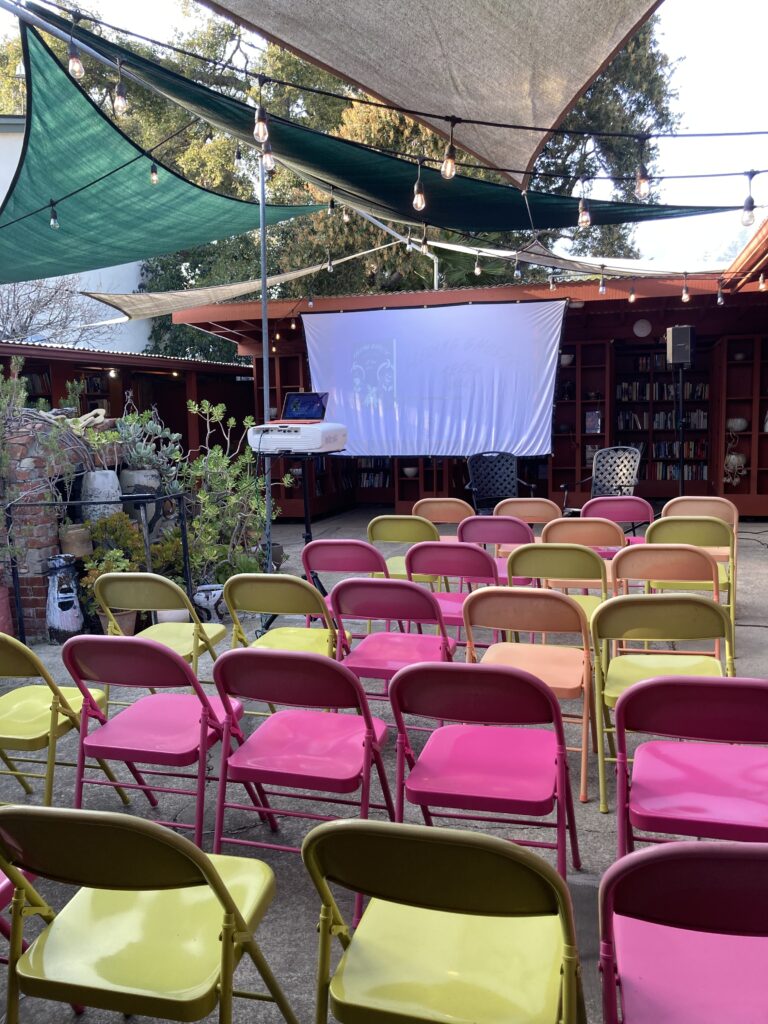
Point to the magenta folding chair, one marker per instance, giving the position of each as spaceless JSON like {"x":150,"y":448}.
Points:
{"x":300,"y":747}
{"x":170,"y":730}
{"x":480,"y":764}
{"x":379,"y":655}
{"x":684,"y":935}
{"x":506,"y":531}
{"x":467,"y":563}
{"x":621,"y":509}
{"x":716,"y":788}
{"x":353,"y":557}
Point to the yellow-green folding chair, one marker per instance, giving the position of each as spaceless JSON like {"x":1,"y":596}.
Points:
{"x":34,"y":717}
{"x":562,"y":567}
{"x":651,"y":618}
{"x":148,"y":592}
{"x":402,"y":530}
{"x":157,"y":928}
{"x":461,"y":927}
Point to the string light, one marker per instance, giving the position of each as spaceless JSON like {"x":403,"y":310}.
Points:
{"x":331,"y":205}
{"x":268,"y":157}
{"x":112,"y":374}
{"x":293,"y":325}
{"x":585,"y":219}
{"x":642,"y":177}
{"x":448,"y":167}
{"x":631,"y":297}
{"x":478,"y":268}
{"x":310,"y":302}
{"x":748,"y":211}
{"x":517,"y":273}
{"x":54,"y":217}
{"x":329,"y":264}
{"x":121,"y":96}
{"x":552,"y":283}
{"x":345,"y":215}
{"x":277,"y":335}
{"x":76,"y":69}
{"x":686,"y":295}
{"x":423,"y":247}
{"x":720,"y":296}
{"x":419,"y":200}
{"x":274,"y":349}
{"x":601,"y":289}
{"x":761,"y":283}
{"x":260,"y":125}
{"x":153,"y":175}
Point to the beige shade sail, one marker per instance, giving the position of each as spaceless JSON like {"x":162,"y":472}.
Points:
{"x":522,"y":62}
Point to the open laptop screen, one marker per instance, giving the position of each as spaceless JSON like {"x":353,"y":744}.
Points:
{"x":305,"y":405}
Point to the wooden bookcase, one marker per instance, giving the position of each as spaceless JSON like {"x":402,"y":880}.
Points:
{"x":742,"y":366}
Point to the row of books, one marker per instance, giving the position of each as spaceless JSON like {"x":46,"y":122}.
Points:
{"x":694,"y":419}
{"x":671,"y":471}
{"x":661,"y":391}
{"x":658,"y":361}
{"x":671,"y":450}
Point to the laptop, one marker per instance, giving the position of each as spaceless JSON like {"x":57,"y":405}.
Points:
{"x":304,"y":407}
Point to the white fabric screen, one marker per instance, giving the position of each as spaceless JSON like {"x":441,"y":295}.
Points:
{"x":441,"y":380}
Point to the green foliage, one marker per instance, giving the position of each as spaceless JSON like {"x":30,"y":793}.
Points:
{"x":104,"y":446}
{"x":112,"y":560}
{"x":117,"y":547}
{"x":146,"y":443}
{"x":75,"y":389}
{"x":168,"y":556}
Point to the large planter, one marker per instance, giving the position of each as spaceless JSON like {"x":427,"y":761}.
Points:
{"x":125,"y":620}
{"x":76,"y":540}
{"x":140,"y":481}
{"x":6,"y":622}
{"x":100,"y":485}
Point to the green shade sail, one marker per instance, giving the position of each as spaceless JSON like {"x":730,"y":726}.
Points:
{"x":68,"y":144}
{"x":369,"y":180}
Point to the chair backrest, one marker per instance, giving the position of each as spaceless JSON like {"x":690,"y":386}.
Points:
{"x":298,"y":679}
{"x":614,"y":470}
{"x":443,"y":510}
{"x":352,"y":556}
{"x":629,"y":508}
{"x":667,"y":562}
{"x":465,"y":561}
{"x":591,"y":532}
{"x":17,"y":661}
{"x":560,"y":562}
{"x":273,"y":594}
{"x":703,"y":505}
{"x":484,"y":694}
{"x":141,"y":592}
{"x":701,"y":531}
{"x":525,"y":610}
{"x":385,"y":599}
{"x":530,"y":510}
{"x":661,"y":617}
{"x":695,"y":708}
{"x":401,"y":530}
{"x":494,"y":530}
{"x":492,"y":476}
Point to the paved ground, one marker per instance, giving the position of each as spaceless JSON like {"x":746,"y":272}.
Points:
{"x":288,"y":934}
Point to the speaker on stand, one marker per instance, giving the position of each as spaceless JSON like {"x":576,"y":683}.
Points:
{"x":680,"y":340}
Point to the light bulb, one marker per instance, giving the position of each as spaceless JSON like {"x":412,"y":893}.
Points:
{"x":601,"y":287}
{"x":260,"y":126}
{"x":174,"y":373}
{"x":277,"y":335}
{"x":448,"y":167}
{"x":113,"y":374}
{"x":153,"y":176}
{"x":748,"y":212}
{"x":76,"y":69}
{"x":331,"y":206}
{"x":642,"y":182}
{"x":585,"y":220}
{"x":631,"y":296}
{"x":720,"y":296}
{"x":54,"y":218}
{"x":121,"y":99}
{"x":311,"y":302}
{"x":761,"y":283}
{"x":423,"y":247}
{"x":293,"y":325}
{"x":686,"y":295}
{"x":517,"y":274}
{"x":268,"y":157}
{"x":274,"y":349}
{"x":329,"y":264}
{"x":345,"y":215}
{"x":419,"y":202}
{"x":552,"y":285}
{"x":478,"y":268}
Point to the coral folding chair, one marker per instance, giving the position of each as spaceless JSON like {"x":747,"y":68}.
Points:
{"x":605,"y":536}
{"x":380,"y":654}
{"x":461,"y":927}
{"x":715,"y":787}
{"x":562,"y":566}
{"x":644,"y":619}
{"x":530,"y":510}
{"x":276,"y":594}
{"x":490,"y":761}
{"x":35,"y":717}
{"x":499,"y":533}
{"x":630,"y":509}
{"x":168,"y":731}
{"x":467,"y":563}
{"x":300,"y":747}
{"x":148,"y":592}
{"x":684,"y":934}
{"x":156,"y":927}
{"x":443,"y":511}
{"x":566,"y":669}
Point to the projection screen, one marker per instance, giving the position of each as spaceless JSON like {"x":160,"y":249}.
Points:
{"x":441,"y":380}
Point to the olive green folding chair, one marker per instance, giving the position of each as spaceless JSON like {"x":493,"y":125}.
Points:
{"x":461,"y":927}
{"x":643,"y":619}
{"x":275,"y":594}
{"x":148,"y":592}
{"x":156,"y":928}
{"x":564,"y":567}
{"x":402,"y":530}
{"x":35,"y":717}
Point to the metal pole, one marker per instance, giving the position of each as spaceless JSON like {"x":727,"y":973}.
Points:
{"x":265,"y":360}
{"x":15,"y":575}
{"x":680,"y":429}
{"x":185,"y":545}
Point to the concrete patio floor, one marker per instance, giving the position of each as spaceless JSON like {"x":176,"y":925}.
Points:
{"x":288,"y":933}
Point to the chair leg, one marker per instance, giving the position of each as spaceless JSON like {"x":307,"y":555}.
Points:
{"x":571,"y":819}
{"x":384,"y":785}
{"x":601,"y":711}
{"x":226,"y":980}
{"x":151,"y":798}
{"x":11,"y":766}
{"x":14,"y":953}
{"x":271,"y":982}
{"x":583,"y":794}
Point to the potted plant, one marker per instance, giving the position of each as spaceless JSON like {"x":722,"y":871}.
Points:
{"x":151,"y":454}
{"x":100,"y":482}
{"x":65,"y":453}
{"x":13,"y":398}
{"x":117,"y":547}
{"x":112,"y":560}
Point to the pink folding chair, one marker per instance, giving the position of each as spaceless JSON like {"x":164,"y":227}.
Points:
{"x":716,"y":788}
{"x":379,"y":655}
{"x":300,"y":747}
{"x":629,"y":509}
{"x":467,"y":563}
{"x":684,"y":935}
{"x":172,"y":730}
{"x":481,"y":764}
{"x":352,"y":557}
{"x":498,"y":531}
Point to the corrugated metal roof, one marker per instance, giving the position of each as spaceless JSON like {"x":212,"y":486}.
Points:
{"x":36,"y":347}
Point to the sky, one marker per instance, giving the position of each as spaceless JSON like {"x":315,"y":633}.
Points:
{"x":720,"y":79}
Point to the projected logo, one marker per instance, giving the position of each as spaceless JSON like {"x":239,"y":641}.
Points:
{"x":373,"y":373}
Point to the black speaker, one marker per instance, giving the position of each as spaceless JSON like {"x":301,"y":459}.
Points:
{"x":679,"y":345}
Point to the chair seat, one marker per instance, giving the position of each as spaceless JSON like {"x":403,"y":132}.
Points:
{"x":380,"y":655}
{"x":410,"y":964}
{"x":712,"y":790}
{"x":561,"y":668}
{"x":308,"y":749}
{"x":298,"y":638}
{"x":163,"y":728}
{"x":486,"y":768}
{"x":25,"y":715}
{"x":155,"y":953}
{"x":452,"y":605}
{"x":677,"y":976}
{"x":180,"y":636}
{"x":627,"y":669}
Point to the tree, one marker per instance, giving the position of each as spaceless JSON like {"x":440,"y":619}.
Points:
{"x":50,"y":310}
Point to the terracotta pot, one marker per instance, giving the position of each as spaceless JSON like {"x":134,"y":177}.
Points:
{"x":125,"y":620}
{"x":6,"y":622}
{"x":76,"y":540}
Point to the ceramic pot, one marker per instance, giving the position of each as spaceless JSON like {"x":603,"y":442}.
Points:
{"x":125,"y":620}
{"x":76,"y":540}
{"x":140,"y":481}
{"x":100,"y":485}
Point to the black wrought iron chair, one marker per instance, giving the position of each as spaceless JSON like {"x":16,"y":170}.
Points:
{"x":493,"y":477}
{"x":614,"y":473}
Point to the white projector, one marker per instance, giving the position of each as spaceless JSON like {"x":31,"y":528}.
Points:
{"x":282,"y":436}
